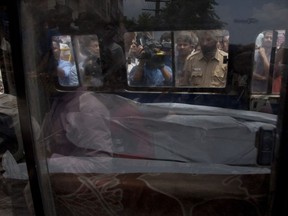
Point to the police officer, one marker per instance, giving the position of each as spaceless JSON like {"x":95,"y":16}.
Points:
{"x":208,"y":66}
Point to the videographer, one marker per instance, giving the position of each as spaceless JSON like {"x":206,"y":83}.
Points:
{"x":151,"y":70}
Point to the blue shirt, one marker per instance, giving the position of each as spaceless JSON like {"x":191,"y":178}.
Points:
{"x":66,"y":66}
{"x":151,"y":77}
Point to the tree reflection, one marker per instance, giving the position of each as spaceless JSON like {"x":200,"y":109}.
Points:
{"x":180,"y":14}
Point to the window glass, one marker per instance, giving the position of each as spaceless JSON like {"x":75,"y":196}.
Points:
{"x":194,"y":59}
{"x":267,"y":72}
{"x":149,"y":58}
{"x":202,"y":58}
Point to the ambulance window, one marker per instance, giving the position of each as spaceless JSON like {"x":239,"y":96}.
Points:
{"x":268,"y":55}
{"x":149,"y":58}
{"x":193,"y":59}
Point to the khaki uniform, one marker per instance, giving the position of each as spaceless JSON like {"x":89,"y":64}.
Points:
{"x":200,"y":72}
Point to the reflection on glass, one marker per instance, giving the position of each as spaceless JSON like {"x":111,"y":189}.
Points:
{"x":193,"y":13}
{"x":88,"y":58}
{"x":206,"y":64}
{"x":264,"y":63}
{"x":66,"y":68}
{"x":149,"y":58}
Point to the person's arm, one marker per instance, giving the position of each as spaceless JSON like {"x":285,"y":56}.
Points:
{"x":60,"y":72}
{"x":265,"y":60}
{"x":166,"y":73}
{"x":139,"y":71}
{"x":63,"y":70}
{"x":257,"y":76}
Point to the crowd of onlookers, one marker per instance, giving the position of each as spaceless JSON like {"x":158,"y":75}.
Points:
{"x":200,"y":58}
{"x":263,"y":56}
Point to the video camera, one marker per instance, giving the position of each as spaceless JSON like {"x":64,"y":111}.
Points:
{"x":151,"y":46}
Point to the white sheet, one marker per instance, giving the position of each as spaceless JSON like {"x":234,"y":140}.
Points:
{"x":166,"y":131}
{"x":206,"y":139}
{"x":186,"y":132}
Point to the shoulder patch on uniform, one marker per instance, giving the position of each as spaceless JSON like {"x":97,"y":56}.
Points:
{"x":192,"y":55}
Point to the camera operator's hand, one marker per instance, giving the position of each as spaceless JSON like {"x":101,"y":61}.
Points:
{"x":166,"y":74}
{"x":156,"y":62}
{"x":139,"y":52}
{"x":139,"y":70}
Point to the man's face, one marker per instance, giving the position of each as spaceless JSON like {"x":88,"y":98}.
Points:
{"x":94,"y":48}
{"x":56,"y":50}
{"x":128,"y":40}
{"x":267,"y":40}
{"x":208,"y":43}
{"x":184,"y":48}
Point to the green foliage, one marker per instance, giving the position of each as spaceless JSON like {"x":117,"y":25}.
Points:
{"x":196,"y":14}
{"x":146,"y":19}
{"x":182,"y":14}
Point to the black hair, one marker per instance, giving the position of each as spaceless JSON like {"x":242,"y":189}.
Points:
{"x":166,"y":36}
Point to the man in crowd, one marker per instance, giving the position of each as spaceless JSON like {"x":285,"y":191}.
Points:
{"x":151,"y":70}
{"x":208,"y":66}
{"x":91,"y":66}
{"x":224,"y":43}
{"x":262,"y":63}
{"x":112,"y":56}
{"x":63,"y":67}
{"x":184,"y":47}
